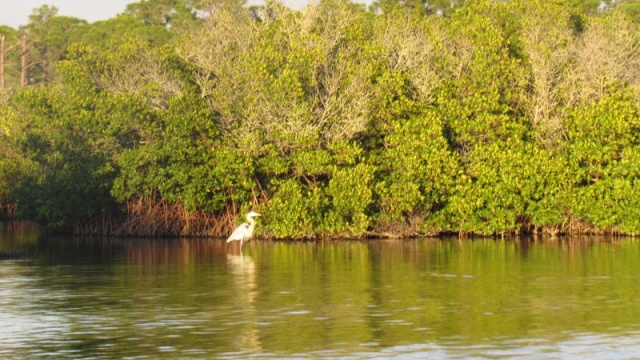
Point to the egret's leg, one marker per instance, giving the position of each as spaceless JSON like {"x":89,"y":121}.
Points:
{"x":241,"y":244}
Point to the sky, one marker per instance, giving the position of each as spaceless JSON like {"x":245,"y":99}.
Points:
{"x":14,"y":13}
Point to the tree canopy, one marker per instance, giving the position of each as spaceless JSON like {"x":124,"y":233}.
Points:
{"x":477,"y":117}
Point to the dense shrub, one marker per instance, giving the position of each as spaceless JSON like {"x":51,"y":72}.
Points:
{"x":497,"y":118}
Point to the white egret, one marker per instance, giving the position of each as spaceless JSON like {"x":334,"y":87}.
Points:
{"x":244,"y":231}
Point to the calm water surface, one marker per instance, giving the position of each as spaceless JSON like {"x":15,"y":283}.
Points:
{"x":422,"y":299}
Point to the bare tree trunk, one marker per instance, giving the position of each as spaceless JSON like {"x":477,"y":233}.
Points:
{"x":23,"y":62}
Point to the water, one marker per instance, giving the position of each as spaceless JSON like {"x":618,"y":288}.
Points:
{"x":422,"y":299}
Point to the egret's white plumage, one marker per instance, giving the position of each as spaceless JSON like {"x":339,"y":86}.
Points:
{"x":245,"y":230}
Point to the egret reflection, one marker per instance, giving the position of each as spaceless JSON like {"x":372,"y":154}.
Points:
{"x":242,"y":271}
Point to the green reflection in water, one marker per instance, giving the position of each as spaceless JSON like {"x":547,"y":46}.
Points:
{"x":197,"y":297}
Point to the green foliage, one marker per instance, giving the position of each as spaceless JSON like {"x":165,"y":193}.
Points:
{"x":161,"y":13}
{"x":419,"y":169}
{"x":598,"y":7}
{"x":420,"y":7}
{"x":293,"y":210}
{"x":181,"y":160}
{"x":629,"y":7}
{"x":48,"y":37}
{"x":12,"y":52}
{"x":496,"y":118}
{"x":350,"y":193}
{"x":480,"y":101}
{"x":338,"y":206}
{"x":14,"y":167}
{"x":506,"y":186}
{"x":604,"y":145}
{"x":124,"y":26}
{"x":73,"y":174}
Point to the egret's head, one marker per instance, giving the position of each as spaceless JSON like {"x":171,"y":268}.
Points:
{"x":252,"y":214}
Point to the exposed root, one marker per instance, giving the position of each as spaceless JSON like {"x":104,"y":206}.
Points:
{"x":8,"y":211}
{"x":153,"y":217}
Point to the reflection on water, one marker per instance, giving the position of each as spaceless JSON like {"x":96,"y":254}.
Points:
{"x":17,"y":239}
{"x":242,"y":275}
{"x":416,"y":298}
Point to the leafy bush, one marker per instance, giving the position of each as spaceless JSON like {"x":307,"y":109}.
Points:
{"x":497,"y":118}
